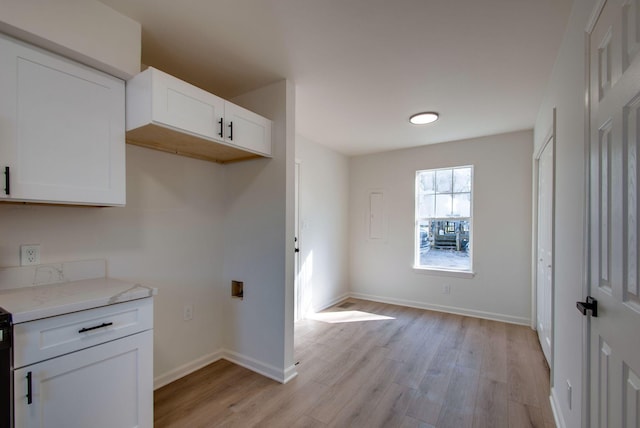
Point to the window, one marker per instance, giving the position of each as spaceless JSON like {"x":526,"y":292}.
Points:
{"x":443,"y":219}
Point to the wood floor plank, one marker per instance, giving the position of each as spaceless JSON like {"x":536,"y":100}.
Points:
{"x":494,"y":362}
{"x":307,"y":422}
{"x":416,"y":369}
{"x":459,"y":402}
{"x":491,"y":409}
{"x":525,"y":416}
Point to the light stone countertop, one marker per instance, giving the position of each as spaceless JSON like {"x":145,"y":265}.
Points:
{"x":42,"y":301}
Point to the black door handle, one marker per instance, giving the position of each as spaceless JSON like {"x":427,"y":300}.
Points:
{"x":7,"y":180}
{"x":29,"y":389}
{"x":590,"y":305}
{"x":95,"y":327}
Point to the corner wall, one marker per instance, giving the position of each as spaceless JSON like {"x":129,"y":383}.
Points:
{"x":259,"y":244}
{"x":566,"y":92}
{"x":167,"y":236}
{"x":324,"y":225}
{"x":382,"y":270}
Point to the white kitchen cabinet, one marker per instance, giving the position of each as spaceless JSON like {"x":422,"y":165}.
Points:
{"x":247,"y":129}
{"x":98,"y":387}
{"x":62,"y":136}
{"x":168,"y":114}
{"x":88,"y":368}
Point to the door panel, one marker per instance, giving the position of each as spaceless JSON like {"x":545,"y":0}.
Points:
{"x":613,"y":226}
{"x":544,"y":275}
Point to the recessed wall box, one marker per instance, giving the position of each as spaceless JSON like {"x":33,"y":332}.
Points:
{"x":237,"y":289}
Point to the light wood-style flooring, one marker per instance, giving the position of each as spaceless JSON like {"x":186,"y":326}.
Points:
{"x":379,"y":366}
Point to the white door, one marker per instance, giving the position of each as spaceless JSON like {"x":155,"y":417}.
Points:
{"x":614,"y":335}
{"x":104,"y":386}
{"x":544,"y":273}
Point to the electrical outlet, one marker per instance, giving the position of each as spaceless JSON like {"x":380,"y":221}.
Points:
{"x":187,"y":313}
{"x":446,"y":289}
{"x":29,"y":255}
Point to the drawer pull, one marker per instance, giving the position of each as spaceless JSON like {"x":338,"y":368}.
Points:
{"x":95,"y":327}
{"x":29,"y":390}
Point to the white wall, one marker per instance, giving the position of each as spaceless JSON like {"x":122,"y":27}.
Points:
{"x":258,"y":243}
{"x":168,"y":236}
{"x":110,"y":41}
{"x":382,"y":270}
{"x":566,"y":92}
{"x":324,"y":225}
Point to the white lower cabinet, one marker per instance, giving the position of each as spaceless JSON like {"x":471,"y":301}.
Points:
{"x":105,"y":385}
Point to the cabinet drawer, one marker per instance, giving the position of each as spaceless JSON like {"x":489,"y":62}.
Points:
{"x":46,"y":338}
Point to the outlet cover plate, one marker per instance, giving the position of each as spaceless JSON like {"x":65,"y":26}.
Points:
{"x":29,"y":255}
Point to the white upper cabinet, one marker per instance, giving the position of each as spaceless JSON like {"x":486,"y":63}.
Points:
{"x":62,"y":137}
{"x":166,"y":113}
{"x":247,"y":129}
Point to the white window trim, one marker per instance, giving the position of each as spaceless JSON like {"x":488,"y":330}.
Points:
{"x":442,"y":271}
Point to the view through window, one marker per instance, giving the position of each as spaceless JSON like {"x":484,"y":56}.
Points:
{"x":443,"y":218}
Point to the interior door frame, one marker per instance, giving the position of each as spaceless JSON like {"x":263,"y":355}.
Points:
{"x":297,"y":316}
{"x":550,"y":138}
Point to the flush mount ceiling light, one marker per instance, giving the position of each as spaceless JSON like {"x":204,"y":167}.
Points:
{"x":424,"y":118}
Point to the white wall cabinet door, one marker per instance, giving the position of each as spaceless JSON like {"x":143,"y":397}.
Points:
{"x":183,"y":106}
{"x":62,"y":130}
{"x":247,"y":129}
{"x":106,"y":386}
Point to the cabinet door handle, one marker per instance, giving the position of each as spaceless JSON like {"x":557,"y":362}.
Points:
{"x":29,"y":390}
{"x":95,"y":327}
{"x":231,"y":131}
{"x":221,"y":128}
{"x":7,"y":180}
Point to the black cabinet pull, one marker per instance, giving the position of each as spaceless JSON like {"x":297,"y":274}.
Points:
{"x":590,"y":305}
{"x":7,"y":180}
{"x":29,"y":390}
{"x":231,"y":131}
{"x":104,"y":324}
{"x":221,"y":128}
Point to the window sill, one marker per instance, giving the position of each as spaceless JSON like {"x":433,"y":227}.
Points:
{"x":444,"y":272}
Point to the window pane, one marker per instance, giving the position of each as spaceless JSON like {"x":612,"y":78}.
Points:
{"x":426,"y":180}
{"x":443,"y":181}
{"x":462,"y":205}
{"x":462,"y":180}
{"x":423,"y":234}
{"x":426,"y":206}
{"x":443,"y":205}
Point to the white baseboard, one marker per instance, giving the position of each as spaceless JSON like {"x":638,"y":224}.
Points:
{"x":186,"y":369}
{"x":555,"y":408}
{"x":332,"y":302}
{"x":441,"y":308}
{"x":279,"y":375}
{"x":272,"y":372}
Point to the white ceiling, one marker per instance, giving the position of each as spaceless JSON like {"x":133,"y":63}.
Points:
{"x":362,"y":67}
